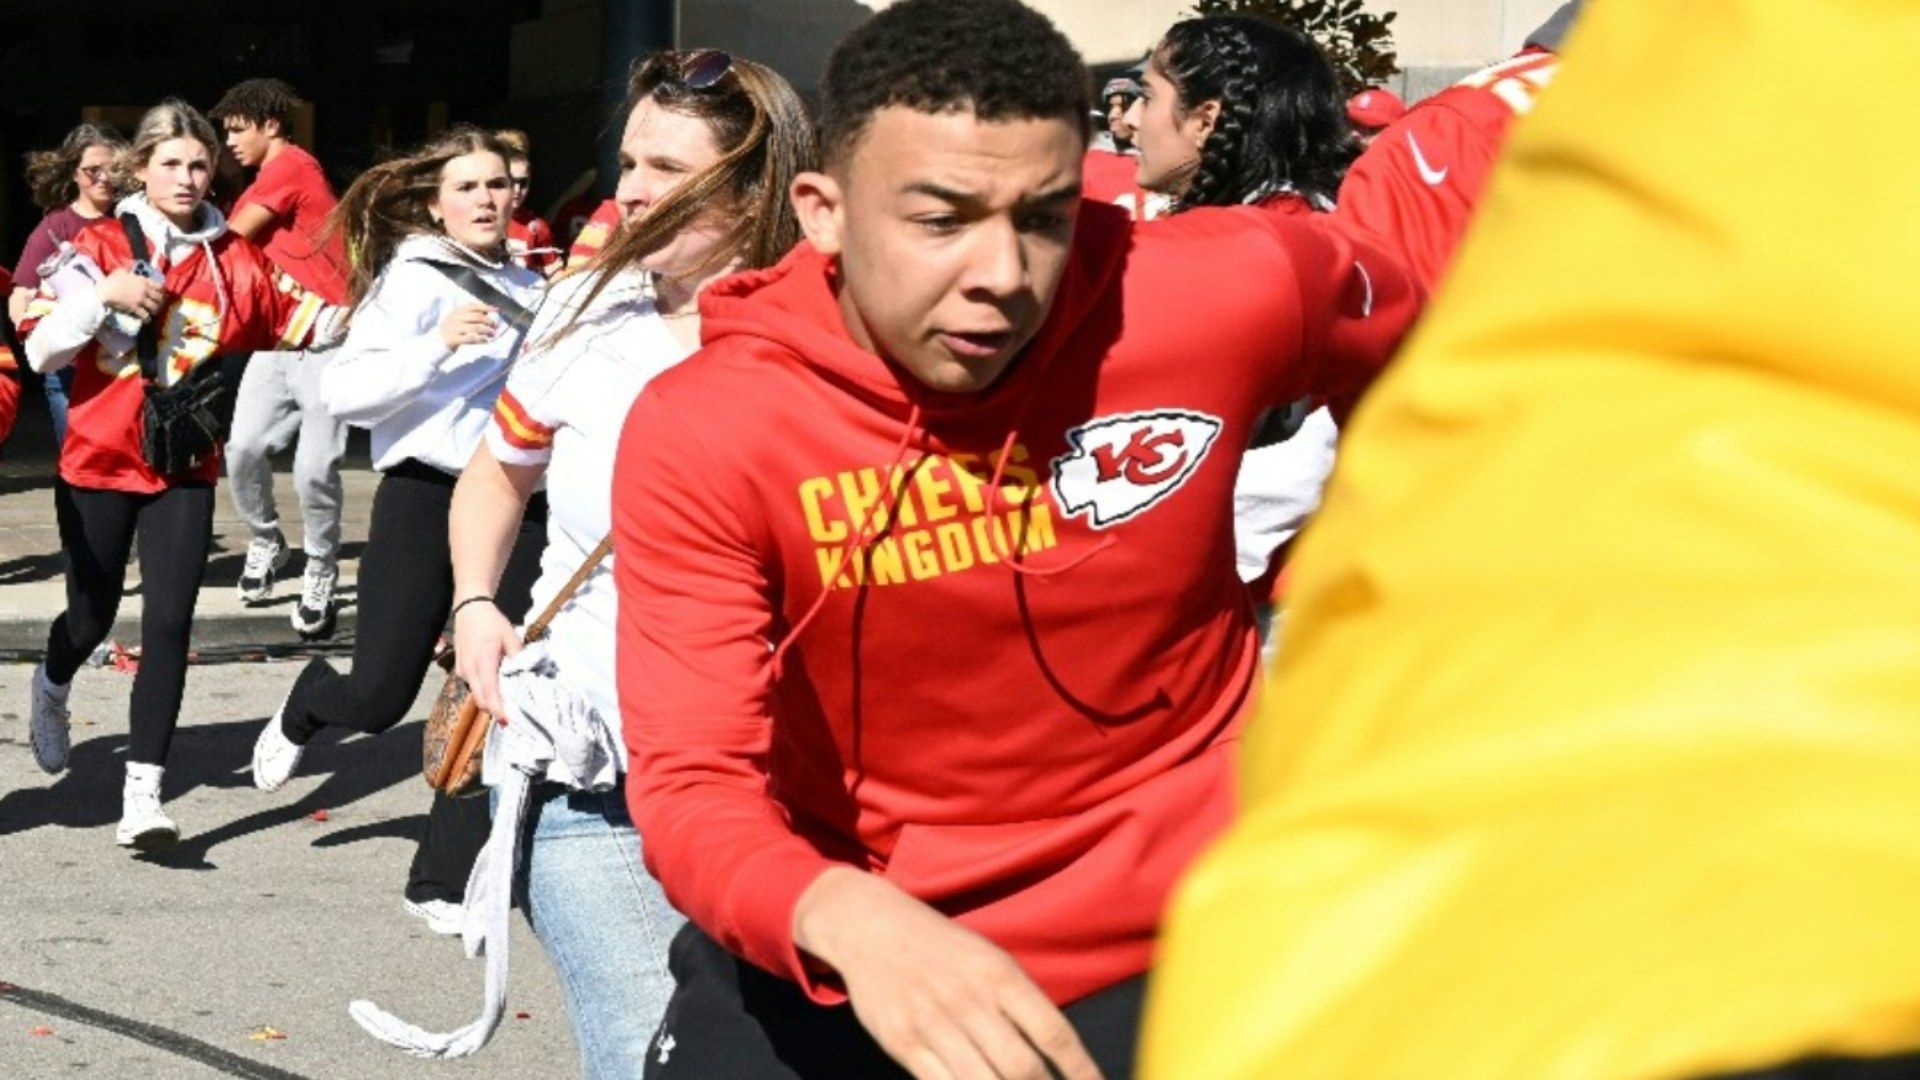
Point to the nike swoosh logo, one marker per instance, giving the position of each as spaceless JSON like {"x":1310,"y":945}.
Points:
{"x":1434,"y":177}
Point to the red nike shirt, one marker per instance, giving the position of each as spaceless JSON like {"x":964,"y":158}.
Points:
{"x":1416,"y":188}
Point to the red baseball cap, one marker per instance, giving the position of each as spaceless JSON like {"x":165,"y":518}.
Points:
{"x":1375,"y":108}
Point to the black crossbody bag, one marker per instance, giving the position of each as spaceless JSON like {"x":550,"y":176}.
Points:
{"x":185,"y":424}
{"x":469,"y":280}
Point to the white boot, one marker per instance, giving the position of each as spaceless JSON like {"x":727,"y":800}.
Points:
{"x":142,"y":823}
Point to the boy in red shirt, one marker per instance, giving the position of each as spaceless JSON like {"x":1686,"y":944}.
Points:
{"x":931,"y":652}
{"x":284,"y":211}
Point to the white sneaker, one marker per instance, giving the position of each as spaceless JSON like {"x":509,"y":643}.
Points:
{"x":313,"y":618}
{"x":442,"y":916}
{"x":143,"y":825}
{"x":274,"y":755}
{"x":47,"y":726}
{"x":265,"y":556}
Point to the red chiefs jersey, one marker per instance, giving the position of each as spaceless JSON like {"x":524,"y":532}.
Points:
{"x":242,"y":304}
{"x":595,"y":234}
{"x":530,"y":240}
{"x":1417,"y":186}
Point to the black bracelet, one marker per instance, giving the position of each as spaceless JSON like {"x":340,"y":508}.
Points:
{"x":455,"y":613}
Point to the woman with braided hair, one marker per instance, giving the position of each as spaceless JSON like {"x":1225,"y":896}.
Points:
{"x":1239,"y":110}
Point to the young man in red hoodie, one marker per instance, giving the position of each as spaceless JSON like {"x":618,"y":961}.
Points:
{"x":931,"y":652}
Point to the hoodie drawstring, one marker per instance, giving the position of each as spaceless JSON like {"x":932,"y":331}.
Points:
{"x":856,"y":540}
{"x":1007,"y":557}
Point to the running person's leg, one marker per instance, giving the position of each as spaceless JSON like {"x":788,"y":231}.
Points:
{"x":405,"y":592}
{"x":316,"y":478}
{"x":175,"y":529}
{"x":265,"y":417}
{"x":457,"y":828}
{"x":605,"y":924}
{"x":96,"y":532}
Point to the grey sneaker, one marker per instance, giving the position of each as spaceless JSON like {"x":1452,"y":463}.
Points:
{"x":47,"y":726}
{"x":265,"y":556}
{"x":313,"y":618}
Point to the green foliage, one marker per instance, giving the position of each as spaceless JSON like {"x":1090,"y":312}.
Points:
{"x":1359,"y":43}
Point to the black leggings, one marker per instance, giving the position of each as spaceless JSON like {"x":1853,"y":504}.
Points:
{"x":97,"y":529}
{"x":405,"y":594}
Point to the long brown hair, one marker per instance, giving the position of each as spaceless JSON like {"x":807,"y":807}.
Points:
{"x":766,"y":139}
{"x":50,"y":172}
{"x":388,"y":203}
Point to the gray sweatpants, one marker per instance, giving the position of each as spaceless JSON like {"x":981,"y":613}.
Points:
{"x":279,"y":399}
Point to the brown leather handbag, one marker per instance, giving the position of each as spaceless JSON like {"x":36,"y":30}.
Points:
{"x":457,"y":728}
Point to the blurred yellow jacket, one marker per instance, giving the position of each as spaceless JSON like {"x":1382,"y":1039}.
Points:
{"x":1593,"y":749}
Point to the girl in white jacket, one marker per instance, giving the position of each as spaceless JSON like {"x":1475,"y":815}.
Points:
{"x":434,"y":295}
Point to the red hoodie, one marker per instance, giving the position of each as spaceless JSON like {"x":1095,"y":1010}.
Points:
{"x":1417,"y":186}
{"x":1037,"y":754}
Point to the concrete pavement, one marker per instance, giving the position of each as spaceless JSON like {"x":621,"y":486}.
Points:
{"x":268,"y":917}
{"x":263,"y":917}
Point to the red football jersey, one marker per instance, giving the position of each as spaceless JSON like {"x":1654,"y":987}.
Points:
{"x":242,"y":303}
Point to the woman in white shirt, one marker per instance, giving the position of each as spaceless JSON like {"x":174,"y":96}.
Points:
{"x":433,"y":294}
{"x":710,"y":146}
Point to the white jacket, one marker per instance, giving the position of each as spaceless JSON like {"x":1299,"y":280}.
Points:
{"x":394,"y":375}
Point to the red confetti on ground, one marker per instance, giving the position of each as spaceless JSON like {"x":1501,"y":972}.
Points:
{"x":40,"y":1031}
{"x":318,"y":815}
{"x":126,"y":661}
{"x":7,"y":988}
{"x":522,"y":1016}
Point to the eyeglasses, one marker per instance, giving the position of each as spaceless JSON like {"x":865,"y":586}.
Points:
{"x":93,"y":173}
{"x":695,"y":69}
{"x":522,"y":181}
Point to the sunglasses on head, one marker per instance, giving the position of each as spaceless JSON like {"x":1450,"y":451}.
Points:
{"x":695,"y":69}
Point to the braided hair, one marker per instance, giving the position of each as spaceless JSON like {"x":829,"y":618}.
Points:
{"x":1283,"y":120}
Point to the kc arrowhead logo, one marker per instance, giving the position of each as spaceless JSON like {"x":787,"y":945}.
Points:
{"x":1121,"y":465}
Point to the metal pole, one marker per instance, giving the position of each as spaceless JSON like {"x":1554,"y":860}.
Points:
{"x":628,"y":29}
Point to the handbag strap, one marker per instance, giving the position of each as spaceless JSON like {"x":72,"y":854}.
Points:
{"x":469,"y":280}
{"x":538,"y":629}
{"x":147,"y":342}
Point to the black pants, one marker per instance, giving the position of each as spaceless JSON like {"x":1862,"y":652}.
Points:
{"x":97,"y":530}
{"x":729,"y":1020}
{"x":405,"y":591}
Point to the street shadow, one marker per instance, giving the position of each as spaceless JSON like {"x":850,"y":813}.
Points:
{"x":87,"y":794}
{"x":31,"y":568}
{"x":403,"y":828}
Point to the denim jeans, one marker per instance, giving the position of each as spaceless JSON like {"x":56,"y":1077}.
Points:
{"x":604,"y":922}
{"x":56,"y":386}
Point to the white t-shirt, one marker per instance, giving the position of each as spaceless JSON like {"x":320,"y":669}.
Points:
{"x":563,"y":407}
{"x":1278,"y":489}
